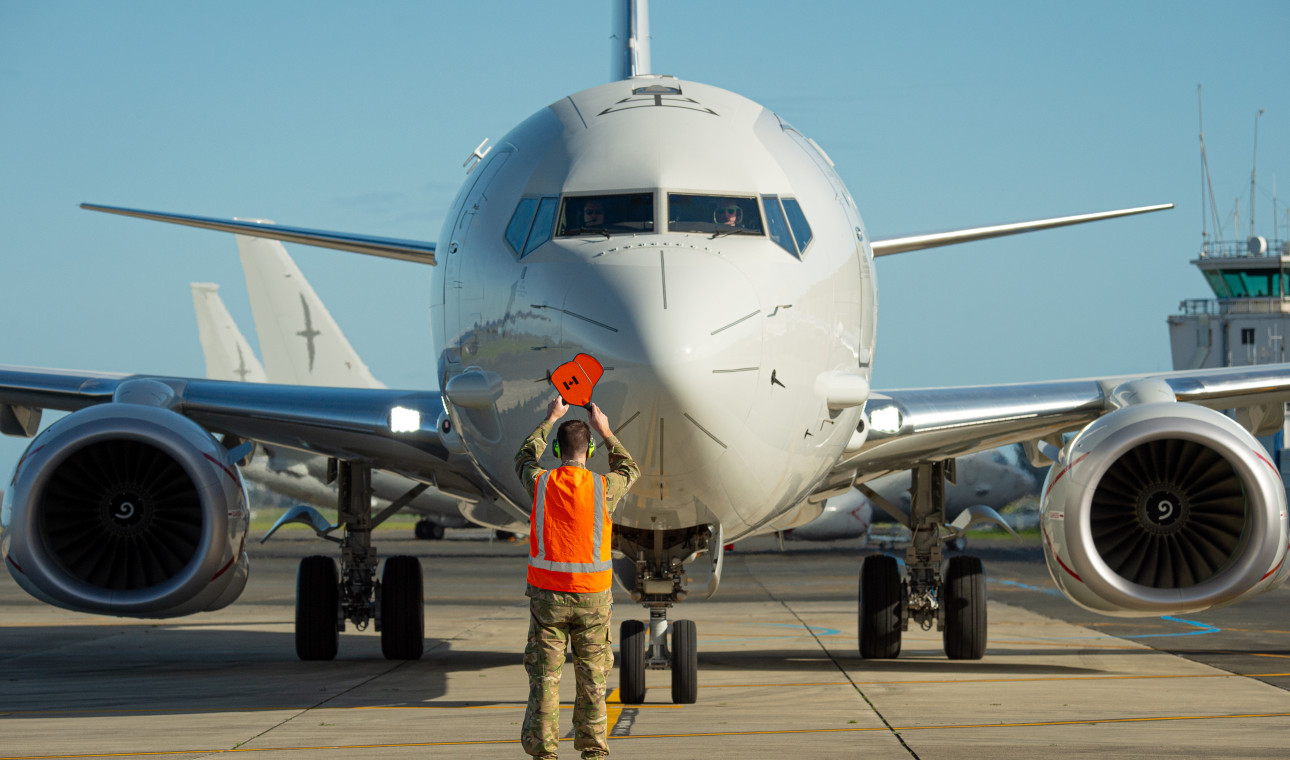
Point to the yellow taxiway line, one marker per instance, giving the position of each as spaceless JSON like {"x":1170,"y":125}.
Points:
{"x":857,"y":729}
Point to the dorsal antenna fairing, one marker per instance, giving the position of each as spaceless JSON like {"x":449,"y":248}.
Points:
{"x":630,"y":52}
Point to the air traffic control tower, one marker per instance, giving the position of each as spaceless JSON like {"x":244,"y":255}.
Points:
{"x":1245,"y":323}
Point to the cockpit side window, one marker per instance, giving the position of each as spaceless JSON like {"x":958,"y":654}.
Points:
{"x":797,"y":221}
{"x":718,"y":214}
{"x":606,"y":215}
{"x":776,"y":224}
{"x":530,"y":225}
{"x":518,"y":229}
{"x":541,"y":224}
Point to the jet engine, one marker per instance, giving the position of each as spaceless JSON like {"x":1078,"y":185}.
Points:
{"x":126,"y":509}
{"x":1164,"y":508}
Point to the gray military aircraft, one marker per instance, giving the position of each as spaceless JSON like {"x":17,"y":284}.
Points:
{"x":728,"y":288}
{"x":288,"y":472}
{"x":983,"y":479}
{"x":303,"y":345}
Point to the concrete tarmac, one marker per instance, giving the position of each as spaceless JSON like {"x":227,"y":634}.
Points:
{"x":779,"y":673}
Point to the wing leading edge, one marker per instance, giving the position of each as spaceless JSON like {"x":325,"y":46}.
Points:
{"x":928,"y":424}
{"x":891,"y":246}
{"x":389,"y":248}
{"x":348,"y":423}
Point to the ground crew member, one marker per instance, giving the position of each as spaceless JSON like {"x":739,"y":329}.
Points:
{"x":569,"y":578}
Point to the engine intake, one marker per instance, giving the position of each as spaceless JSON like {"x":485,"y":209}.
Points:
{"x":1163,"y":508}
{"x":1168,"y":514}
{"x":130,"y":510}
{"x":121,"y":515}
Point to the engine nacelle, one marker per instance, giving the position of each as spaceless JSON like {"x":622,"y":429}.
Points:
{"x":126,"y":509}
{"x":1164,"y":508}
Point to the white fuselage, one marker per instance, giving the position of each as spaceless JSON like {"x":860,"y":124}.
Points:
{"x":690,"y":326}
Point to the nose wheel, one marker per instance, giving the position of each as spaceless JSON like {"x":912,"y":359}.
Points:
{"x":685,"y":662}
{"x":631,"y":662}
{"x":661,"y":646}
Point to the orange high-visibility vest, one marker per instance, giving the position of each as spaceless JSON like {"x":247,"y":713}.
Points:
{"x":570,"y":532}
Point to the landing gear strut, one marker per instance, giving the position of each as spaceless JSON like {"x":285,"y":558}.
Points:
{"x":325,"y":600}
{"x":657,"y":580}
{"x":949,"y":596}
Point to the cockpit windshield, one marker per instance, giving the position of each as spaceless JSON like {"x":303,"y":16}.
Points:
{"x":606,"y":215}
{"x":717,"y":214}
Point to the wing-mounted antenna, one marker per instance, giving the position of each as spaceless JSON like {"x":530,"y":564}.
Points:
{"x":629,"y":55}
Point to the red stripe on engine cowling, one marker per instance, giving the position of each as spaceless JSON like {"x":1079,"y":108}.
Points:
{"x":14,"y":562}
{"x":1278,"y":567}
{"x":1268,"y":463}
{"x":224,"y":569}
{"x":1063,"y":472}
{"x":1053,"y":551}
{"x":222,"y":466}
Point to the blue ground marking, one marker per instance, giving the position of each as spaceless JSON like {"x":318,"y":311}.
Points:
{"x":1026,"y":586}
{"x":1201,"y":628}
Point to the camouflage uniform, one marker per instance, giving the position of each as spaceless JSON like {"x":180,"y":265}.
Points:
{"x":558,"y":619}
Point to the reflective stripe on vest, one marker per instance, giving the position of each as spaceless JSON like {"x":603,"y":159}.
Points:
{"x":540,"y":561}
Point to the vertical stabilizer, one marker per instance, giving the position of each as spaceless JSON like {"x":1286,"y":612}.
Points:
{"x":629,"y":56}
{"x":300,"y":342}
{"x":227,"y":352}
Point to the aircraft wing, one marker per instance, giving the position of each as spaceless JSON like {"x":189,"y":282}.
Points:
{"x":930,"y":424}
{"x":389,"y":248}
{"x":349,"y":423}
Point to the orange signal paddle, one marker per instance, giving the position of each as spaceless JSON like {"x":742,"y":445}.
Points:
{"x":575,"y":380}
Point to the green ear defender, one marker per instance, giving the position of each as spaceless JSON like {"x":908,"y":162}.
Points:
{"x":591,"y":448}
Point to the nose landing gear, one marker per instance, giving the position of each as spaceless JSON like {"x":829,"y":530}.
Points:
{"x":658,"y":582}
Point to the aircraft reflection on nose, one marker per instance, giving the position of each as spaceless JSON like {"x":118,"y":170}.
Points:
{"x":685,"y":349}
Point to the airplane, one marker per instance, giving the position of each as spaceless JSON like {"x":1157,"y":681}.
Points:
{"x":738,"y":361}
{"x":983,"y":480}
{"x":304,"y":346}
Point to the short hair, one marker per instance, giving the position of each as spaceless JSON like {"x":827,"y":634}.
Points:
{"x":574,"y":438}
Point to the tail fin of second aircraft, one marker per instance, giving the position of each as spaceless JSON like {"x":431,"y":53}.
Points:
{"x":227,"y":352}
{"x":300,"y":342}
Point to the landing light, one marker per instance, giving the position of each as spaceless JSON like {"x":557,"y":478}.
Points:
{"x":404,"y":420}
{"x":886,"y":420}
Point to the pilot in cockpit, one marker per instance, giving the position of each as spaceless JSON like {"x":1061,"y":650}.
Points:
{"x":728,"y":214}
{"x":593,"y":214}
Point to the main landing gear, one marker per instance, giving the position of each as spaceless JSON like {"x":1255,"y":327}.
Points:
{"x":656,"y":579}
{"x":949,"y":595}
{"x":326,"y":599}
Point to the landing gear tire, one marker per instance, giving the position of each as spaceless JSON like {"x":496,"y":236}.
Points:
{"x":685,"y":662}
{"x":964,"y":604}
{"x":879,"y":607}
{"x":632,"y":641}
{"x":428,"y":530}
{"x":317,"y":609}
{"x":402,"y":609}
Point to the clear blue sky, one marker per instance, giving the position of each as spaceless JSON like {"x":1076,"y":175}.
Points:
{"x":358,"y":117}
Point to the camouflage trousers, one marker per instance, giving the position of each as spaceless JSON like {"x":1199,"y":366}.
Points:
{"x":552,"y":628}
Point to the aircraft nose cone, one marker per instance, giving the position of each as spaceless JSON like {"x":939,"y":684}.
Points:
{"x":678,"y":330}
